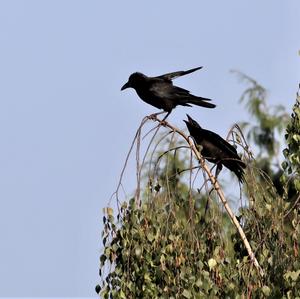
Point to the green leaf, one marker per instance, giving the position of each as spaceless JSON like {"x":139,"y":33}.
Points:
{"x":268,"y":207}
{"x":186,"y":294}
{"x":138,"y":251}
{"x":266,"y":290}
{"x":211,"y":263}
{"x":150,"y":237}
{"x":122,"y":295}
{"x":293,"y":275}
{"x":102,"y":259}
{"x":97,"y":289}
{"x":198,"y":282}
{"x":297,"y":184}
{"x":109,"y":211}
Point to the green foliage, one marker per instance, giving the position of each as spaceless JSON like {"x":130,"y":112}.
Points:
{"x":292,"y":152}
{"x":269,"y":120}
{"x":164,"y":261}
{"x":275,"y":237}
{"x":177,"y":242}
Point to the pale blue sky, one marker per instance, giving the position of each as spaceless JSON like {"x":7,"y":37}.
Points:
{"x":65,"y":127}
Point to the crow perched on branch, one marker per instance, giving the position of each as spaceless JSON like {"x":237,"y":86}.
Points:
{"x":216,"y":150}
{"x":161,"y":93}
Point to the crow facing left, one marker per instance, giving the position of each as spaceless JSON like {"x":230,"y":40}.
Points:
{"x":161,"y":93}
{"x":216,"y":150}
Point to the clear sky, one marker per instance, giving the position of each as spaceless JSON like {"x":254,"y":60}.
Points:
{"x":65,"y":127}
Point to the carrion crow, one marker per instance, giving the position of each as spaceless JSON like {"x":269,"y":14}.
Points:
{"x":216,"y":150}
{"x":161,"y":93}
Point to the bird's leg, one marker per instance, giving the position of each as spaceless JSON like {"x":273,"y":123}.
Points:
{"x":218,"y":169}
{"x":163,"y":121}
{"x":166,"y":116}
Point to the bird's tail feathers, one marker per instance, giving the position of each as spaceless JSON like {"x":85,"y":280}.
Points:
{"x":237,"y":166}
{"x":239,"y":172}
{"x":199,"y":101}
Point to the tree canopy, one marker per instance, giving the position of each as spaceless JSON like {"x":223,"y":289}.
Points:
{"x":176,"y":237}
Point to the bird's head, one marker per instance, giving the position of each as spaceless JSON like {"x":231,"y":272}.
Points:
{"x":134,"y":80}
{"x":191,"y":124}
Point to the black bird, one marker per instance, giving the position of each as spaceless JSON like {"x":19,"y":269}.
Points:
{"x":161,"y":93}
{"x":216,"y":150}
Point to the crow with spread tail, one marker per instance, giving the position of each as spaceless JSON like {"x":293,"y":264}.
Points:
{"x":216,"y":150}
{"x":161,"y":93}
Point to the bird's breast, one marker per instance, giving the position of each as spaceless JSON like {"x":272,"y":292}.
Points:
{"x":150,"y":98}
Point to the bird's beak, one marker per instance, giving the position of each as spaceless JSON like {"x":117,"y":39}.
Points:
{"x":189,"y":118}
{"x":126,"y":85}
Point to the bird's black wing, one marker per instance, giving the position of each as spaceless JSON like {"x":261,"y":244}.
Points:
{"x":220,"y":142}
{"x":164,"y":89}
{"x":174,"y":95}
{"x":170,"y":76}
{"x":228,"y":154}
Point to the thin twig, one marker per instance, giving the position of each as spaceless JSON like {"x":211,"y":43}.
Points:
{"x":116,"y":193}
{"x":293,"y":207}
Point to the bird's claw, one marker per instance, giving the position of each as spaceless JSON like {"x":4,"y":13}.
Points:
{"x":153,"y":116}
{"x":163,"y":123}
